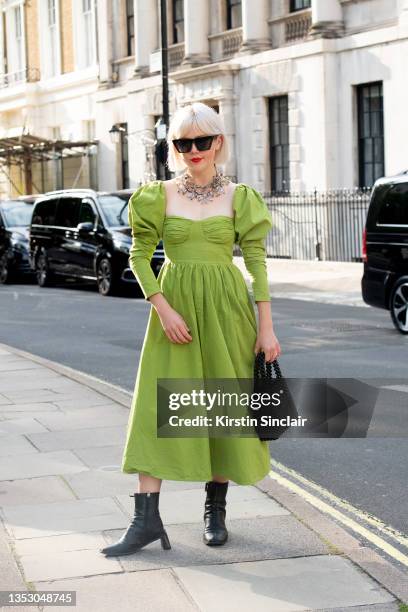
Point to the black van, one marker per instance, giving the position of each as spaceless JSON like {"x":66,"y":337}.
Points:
{"x":84,"y":234}
{"x":385,"y":249}
{"x":15,"y":218}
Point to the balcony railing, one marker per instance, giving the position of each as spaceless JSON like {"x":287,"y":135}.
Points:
{"x":176,"y":55}
{"x":231,"y":42}
{"x":26,"y":75}
{"x":290,"y":28}
{"x":225,"y":44}
{"x":297,"y":26}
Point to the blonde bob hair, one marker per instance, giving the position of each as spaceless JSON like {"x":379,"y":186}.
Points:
{"x":198,"y":117}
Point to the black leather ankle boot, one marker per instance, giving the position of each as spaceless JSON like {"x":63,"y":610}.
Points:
{"x":215,"y":532}
{"x":146,"y":527}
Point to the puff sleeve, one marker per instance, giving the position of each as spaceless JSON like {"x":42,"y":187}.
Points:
{"x":252,"y":224}
{"x":145,"y":216}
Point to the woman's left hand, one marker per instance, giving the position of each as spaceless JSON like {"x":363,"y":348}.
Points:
{"x":268,"y":343}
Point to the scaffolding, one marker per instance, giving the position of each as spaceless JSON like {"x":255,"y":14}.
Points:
{"x":28,"y":151}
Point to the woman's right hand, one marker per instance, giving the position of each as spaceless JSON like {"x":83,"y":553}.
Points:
{"x":176,"y":329}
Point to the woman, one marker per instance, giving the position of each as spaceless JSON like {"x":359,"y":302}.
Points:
{"x":202,"y":323}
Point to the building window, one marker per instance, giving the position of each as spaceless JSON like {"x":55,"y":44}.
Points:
{"x":52,"y":38}
{"x":87,"y":17}
{"x":19,"y":36}
{"x":124,"y":155}
{"x":234,"y":14}
{"x":370,"y":133}
{"x":130,"y":27}
{"x":178,"y":21}
{"x":279,"y":143}
{"x":299,"y":5}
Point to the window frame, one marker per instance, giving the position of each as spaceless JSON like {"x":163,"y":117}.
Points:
{"x":230,"y":7}
{"x":295,"y":9}
{"x":130,"y":35}
{"x":273,"y":146}
{"x":362,"y":138}
{"x":15,"y":54}
{"x":176,"y":22}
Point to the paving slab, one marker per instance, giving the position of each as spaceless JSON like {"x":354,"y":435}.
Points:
{"x":33,"y":407}
{"x":81,"y":438}
{"x":85,"y":540}
{"x":39,"y":520}
{"x":15,"y":444}
{"x":67,"y":564}
{"x":153,"y":591}
{"x":53,"y":393}
{"x":248,"y":540}
{"x":100,"y":456}
{"x":41,"y":464}
{"x":102,"y":483}
{"x":282,"y":585}
{"x":21,"y":426}
{"x":23,"y":364}
{"x":10,"y":575}
{"x":7,"y":415}
{"x":187,"y":506}
{"x":71,"y":404}
{"x":101,"y":416}
{"x":25,"y":491}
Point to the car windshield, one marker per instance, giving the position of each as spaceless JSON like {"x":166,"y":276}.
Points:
{"x":17,"y":213}
{"x":115,"y":209}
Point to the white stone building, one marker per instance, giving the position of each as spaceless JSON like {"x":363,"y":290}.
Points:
{"x":313,"y":92}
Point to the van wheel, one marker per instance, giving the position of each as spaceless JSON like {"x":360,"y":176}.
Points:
{"x":43,"y":272}
{"x":107,"y":284}
{"x":399,"y":305}
{"x":5,"y":272}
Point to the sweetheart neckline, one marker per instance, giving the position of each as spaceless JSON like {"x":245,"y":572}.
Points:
{"x":198,"y":220}
{"x":161,"y":183}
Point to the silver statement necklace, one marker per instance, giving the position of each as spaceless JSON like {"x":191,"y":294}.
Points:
{"x":202,"y":193}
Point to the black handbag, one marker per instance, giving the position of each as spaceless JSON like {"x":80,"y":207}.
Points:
{"x":266,"y":382}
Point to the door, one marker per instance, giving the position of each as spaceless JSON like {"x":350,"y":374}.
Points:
{"x":68,"y":246}
{"x":87,"y":239}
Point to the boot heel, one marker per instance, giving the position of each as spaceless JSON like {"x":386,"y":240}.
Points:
{"x":165,"y":542}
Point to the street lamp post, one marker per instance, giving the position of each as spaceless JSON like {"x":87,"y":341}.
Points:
{"x":164,"y":72}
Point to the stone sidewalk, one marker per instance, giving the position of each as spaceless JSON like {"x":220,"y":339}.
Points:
{"x":63,"y":496}
{"x":332,"y":282}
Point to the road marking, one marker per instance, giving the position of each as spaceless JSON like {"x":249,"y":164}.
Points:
{"x":346,"y":520}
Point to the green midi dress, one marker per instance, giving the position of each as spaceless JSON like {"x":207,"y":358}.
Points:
{"x":201,"y":282}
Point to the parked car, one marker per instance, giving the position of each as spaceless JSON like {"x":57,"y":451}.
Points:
{"x":84,"y":234}
{"x":385,"y":249}
{"x":15,"y":217}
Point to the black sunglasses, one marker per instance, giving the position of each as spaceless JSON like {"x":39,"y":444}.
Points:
{"x":202,"y":143}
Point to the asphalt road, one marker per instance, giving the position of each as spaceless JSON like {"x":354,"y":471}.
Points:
{"x":75,"y":326}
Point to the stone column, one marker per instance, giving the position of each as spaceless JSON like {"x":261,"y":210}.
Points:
{"x":104,"y":41}
{"x":146,"y":34}
{"x":196,"y":30}
{"x":327,"y":19}
{"x":255,"y":28}
{"x":403,"y":18}
{"x":227,"y":108}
